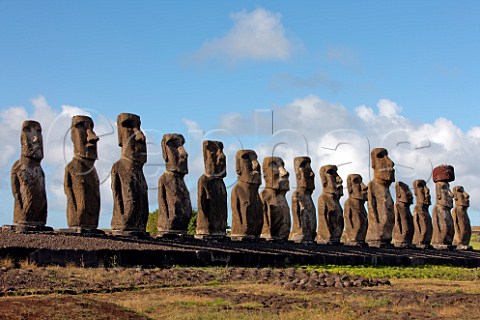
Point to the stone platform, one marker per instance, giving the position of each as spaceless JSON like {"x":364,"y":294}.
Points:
{"x":109,"y":250}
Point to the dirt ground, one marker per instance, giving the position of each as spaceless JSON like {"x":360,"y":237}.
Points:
{"x":32,"y":292}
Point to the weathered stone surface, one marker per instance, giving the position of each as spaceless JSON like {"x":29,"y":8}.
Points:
{"x":28,"y":181}
{"x":443,"y":229}
{"x":303,"y":209}
{"x":81,"y":183}
{"x":422,"y":221}
{"x":443,"y":173}
{"x":129,"y":187}
{"x":212,"y":193}
{"x":330,"y":213}
{"x":247,"y":215}
{"x":403,"y":229}
{"x":355,"y":215}
{"x":174,"y":206}
{"x":276,"y":212}
{"x":461,"y":221}
{"x":381,"y":217}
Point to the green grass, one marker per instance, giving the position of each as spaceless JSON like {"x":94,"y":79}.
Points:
{"x":416,"y":272}
{"x":475,"y":241}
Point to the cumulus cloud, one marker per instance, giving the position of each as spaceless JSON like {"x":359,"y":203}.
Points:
{"x":255,"y":35}
{"x":331,"y":134}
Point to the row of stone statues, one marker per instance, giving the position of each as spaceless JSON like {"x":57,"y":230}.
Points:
{"x":255,"y":215}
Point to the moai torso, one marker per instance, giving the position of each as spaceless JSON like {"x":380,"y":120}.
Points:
{"x":330,"y":213}
{"x":461,"y":221}
{"x":247,"y":215}
{"x":354,"y":212}
{"x":129,"y":187}
{"x":381,"y":216}
{"x":28,"y":180}
{"x":303,"y":209}
{"x":175,"y":208}
{"x":443,"y":228}
{"x":403,"y":229}
{"x":130,"y":192}
{"x":422,"y":221}
{"x":82,"y":187}
{"x":276,"y":212}
{"x":81,"y":184}
{"x":212,"y":193}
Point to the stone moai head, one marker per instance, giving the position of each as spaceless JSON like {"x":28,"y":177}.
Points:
{"x":382,"y":165}
{"x":84,"y":138}
{"x":462,"y":198}
{"x":174,"y":153}
{"x":131,"y":138}
{"x":356,"y":188}
{"x":275,"y":174}
{"x":422,"y":193}
{"x":403,"y":193}
{"x":31,"y":140}
{"x":442,"y":175}
{"x":248,"y":168}
{"x":331,"y":181}
{"x":214,"y":159}
{"x":444,"y":195}
{"x":304,"y":173}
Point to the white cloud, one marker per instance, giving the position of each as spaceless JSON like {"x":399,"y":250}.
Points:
{"x":331,"y":134}
{"x":256,"y":35}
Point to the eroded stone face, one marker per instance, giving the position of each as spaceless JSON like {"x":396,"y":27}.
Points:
{"x":382,"y":165}
{"x":248,"y":168}
{"x":303,"y":209}
{"x":174,"y":153}
{"x":212,"y":193}
{"x":304,"y":174}
{"x":32,"y":140}
{"x":175,"y":208}
{"x":461,"y":221}
{"x":81,"y":182}
{"x":129,"y":186}
{"x":28,"y":180}
{"x":84,"y":138}
{"x":131,"y":138}
{"x":403,"y":229}
{"x":330,"y":213}
{"x":354,"y":211}
{"x":276,"y":212}
{"x":444,"y":194}
{"x":247,"y":215}
{"x":214,"y":159}
{"x":422,"y":193}
{"x":422,"y":221}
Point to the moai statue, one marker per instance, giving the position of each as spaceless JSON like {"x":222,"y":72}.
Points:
{"x":129,"y":187}
{"x":276,"y":212}
{"x":422,"y":221}
{"x":461,"y":222}
{"x":443,"y":229}
{"x":247,"y":215}
{"x":403,"y":229}
{"x":381,"y":217}
{"x":354,"y":212}
{"x":28,"y":182}
{"x":212,"y":194}
{"x":330,"y":213}
{"x":81,"y":182}
{"x":174,"y":206}
{"x":303,"y":209}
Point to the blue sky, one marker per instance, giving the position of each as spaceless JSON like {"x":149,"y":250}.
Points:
{"x":202,"y":61}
